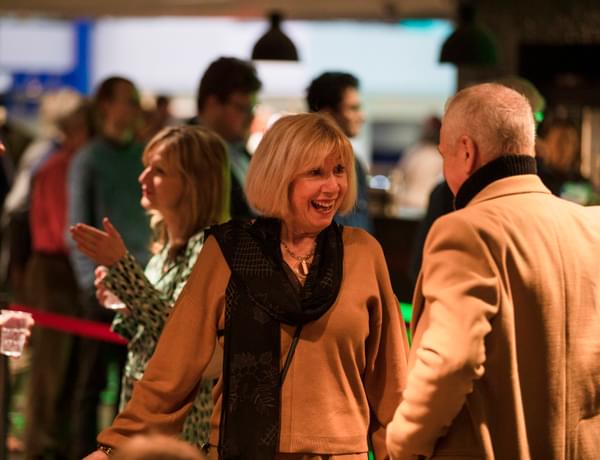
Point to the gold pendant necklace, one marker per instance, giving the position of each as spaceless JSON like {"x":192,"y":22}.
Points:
{"x":303,"y":267}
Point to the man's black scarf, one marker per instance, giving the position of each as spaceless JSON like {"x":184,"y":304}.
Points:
{"x":259,"y":297}
{"x":501,"y":167}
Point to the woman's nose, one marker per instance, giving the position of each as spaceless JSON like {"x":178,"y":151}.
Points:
{"x":143,"y":175}
{"x":330,"y":184}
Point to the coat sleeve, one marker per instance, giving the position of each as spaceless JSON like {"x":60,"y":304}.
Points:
{"x":387,"y":351}
{"x":161,"y":400}
{"x":460,"y":291}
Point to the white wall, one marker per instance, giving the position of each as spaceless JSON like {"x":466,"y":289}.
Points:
{"x":170,"y":54}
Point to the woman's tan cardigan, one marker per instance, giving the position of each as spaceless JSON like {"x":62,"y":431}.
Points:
{"x":345,"y":379}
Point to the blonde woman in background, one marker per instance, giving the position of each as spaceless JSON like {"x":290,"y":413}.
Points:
{"x":559,"y":162}
{"x":185,"y":188}
{"x":561,"y":143}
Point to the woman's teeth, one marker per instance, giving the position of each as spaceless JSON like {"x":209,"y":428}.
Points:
{"x":323,"y":206}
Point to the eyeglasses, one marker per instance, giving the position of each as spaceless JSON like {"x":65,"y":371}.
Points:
{"x":354,"y":107}
{"x":244,"y":109}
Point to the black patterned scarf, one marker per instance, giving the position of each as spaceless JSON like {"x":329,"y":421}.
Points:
{"x":259,"y":298}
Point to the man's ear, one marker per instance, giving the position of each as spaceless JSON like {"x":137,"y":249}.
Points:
{"x":470,"y":154}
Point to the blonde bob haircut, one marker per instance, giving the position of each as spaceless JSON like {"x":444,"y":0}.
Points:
{"x":292,"y":146}
{"x":199,"y":156}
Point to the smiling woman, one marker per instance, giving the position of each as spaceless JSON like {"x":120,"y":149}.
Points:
{"x":314,"y":347}
{"x":311,"y":166}
{"x":185,"y":189}
{"x":315,"y":196}
{"x":312,"y":169}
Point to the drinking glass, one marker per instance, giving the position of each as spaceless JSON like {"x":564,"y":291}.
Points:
{"x":112,"y":302}
{"x":14,"y":332}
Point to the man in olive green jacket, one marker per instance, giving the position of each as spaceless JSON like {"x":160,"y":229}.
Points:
{"x":505,"y":361}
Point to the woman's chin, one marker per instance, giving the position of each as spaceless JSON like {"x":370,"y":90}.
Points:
{"x":322,"y":223}
{"x":145,"y":203}
{"x":324,"y":218}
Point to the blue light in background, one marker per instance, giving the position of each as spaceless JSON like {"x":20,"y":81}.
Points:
{"x":421,"y":24}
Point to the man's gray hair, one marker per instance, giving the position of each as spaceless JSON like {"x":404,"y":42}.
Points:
{"x":497,"y":118}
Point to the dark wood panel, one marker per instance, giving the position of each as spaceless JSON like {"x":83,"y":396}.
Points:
{"x":396,"y":237}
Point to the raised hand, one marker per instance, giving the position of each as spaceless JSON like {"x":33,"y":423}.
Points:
{"x":103,"y":247}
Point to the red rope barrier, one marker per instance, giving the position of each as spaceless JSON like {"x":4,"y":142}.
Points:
{"x":70,"y":325}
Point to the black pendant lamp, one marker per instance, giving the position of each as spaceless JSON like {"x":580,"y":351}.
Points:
{"x":274,"y":45}
{"x":470,"y":43}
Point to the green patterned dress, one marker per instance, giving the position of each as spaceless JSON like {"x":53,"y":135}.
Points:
{"x":150,"y":295}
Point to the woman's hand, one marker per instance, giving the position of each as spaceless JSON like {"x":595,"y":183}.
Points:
{"x":101,"y":291}
{"x":104,"y":248}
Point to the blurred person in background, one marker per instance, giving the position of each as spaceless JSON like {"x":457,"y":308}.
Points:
{"x":560,"y":162}
{"x":227,"y":96}
{"x":185,"y":187}
{"x":50,"y":286}
{"x":561,"y":153}
{"x":314,"y":346}
{"x":420,"y":168}
{"x":14,"y":222}
{"x":16,"y":138}
{"x":156,"y":118}
{"x":103,"y":183}
{"x":337,"y":95}
{"x":15,"y":247}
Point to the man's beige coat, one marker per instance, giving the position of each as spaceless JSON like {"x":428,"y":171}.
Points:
{"x":505,"y":361}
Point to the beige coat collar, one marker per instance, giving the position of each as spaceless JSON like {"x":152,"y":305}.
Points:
{"x":513,"y":185}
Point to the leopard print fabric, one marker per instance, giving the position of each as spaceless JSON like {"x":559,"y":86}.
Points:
{"x":149,"y":295}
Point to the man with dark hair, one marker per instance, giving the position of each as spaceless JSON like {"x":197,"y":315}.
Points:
{"x":225,"y":103}
{"x":326,"y":91}
{"x":103,"y":182}
{"x":336,"y":93}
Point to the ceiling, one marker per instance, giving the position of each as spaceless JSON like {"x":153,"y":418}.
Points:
{"x":378,"y":10}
